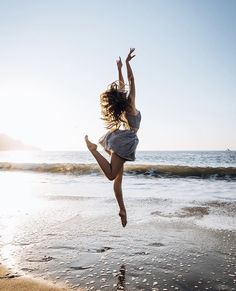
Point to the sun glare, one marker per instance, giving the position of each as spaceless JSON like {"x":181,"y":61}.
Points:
{"x":17,"y":194}
{"x":32,"y":112}
{"x":17,"y":202}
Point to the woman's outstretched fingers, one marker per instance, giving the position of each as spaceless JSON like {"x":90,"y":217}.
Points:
{"x":129,"y":57}
{"x":132,"y":49}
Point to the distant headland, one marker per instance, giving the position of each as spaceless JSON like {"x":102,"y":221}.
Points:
{"x":8,"y":143}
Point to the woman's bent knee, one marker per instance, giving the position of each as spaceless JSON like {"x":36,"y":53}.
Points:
{"x":111,"y":177}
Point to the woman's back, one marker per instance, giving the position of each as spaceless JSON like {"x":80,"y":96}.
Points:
{"x":133,"y":120}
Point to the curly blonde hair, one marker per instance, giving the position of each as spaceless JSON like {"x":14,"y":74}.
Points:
{"x":114,"y":102}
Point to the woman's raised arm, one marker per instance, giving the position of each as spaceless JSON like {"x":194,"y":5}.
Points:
{"x":120,"y":76}
{"x":131,"y":80}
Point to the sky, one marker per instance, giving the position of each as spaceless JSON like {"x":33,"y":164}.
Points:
{"x":58,"y":56}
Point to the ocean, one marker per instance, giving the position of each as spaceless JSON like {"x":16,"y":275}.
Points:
{"x":59,"y":220}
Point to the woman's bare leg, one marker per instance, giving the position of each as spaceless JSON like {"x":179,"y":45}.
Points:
{"x":111,"y":169}
{"x":117,"y":186}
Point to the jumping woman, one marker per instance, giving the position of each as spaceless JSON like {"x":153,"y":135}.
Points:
{"x":118,"y":108}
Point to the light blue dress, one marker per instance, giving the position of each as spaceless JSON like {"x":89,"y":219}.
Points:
{"x":123,"y":142}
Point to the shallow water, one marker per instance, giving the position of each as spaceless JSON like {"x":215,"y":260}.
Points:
{"x":181,"y":232}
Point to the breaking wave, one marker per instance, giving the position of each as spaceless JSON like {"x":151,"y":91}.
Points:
{"x":151,"y":170}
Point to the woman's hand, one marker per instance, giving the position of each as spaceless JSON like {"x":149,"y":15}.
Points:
{"x":129,"y":57}
{"x":119,"y":63}
{"x":120,"y":75}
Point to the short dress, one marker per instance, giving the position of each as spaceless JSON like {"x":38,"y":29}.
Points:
{"x":123,"y":142}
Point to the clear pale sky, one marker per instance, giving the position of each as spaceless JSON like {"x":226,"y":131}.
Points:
{"x":57,"y":56}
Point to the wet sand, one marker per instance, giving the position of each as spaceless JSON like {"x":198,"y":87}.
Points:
{"x":72,"y":234}
{"x":180,"y":258}
{"x":147,"y":257}
{"x":12,"y":281}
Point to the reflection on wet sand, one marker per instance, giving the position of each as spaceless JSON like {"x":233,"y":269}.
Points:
{"x":121,"y":279}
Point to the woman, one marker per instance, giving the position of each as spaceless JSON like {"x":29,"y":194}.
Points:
{"x":118,"y":108}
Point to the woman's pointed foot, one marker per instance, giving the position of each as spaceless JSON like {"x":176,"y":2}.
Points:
{"x":123,"y":217}
{"x":91,"y":146}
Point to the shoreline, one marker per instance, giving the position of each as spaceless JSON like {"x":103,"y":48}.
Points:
{"x":12,"y":281}
{"x":167,"y":254}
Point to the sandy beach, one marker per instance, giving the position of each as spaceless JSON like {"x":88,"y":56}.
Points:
{"x":10,"y":281}
{"x":65,"y":229}
{"x":151,"y":256}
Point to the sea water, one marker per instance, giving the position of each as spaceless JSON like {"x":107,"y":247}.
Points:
{"x":189,"y":158}
{"x":59,"y":218}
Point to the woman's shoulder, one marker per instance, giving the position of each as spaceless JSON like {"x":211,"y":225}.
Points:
{"x":132,"y":112}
